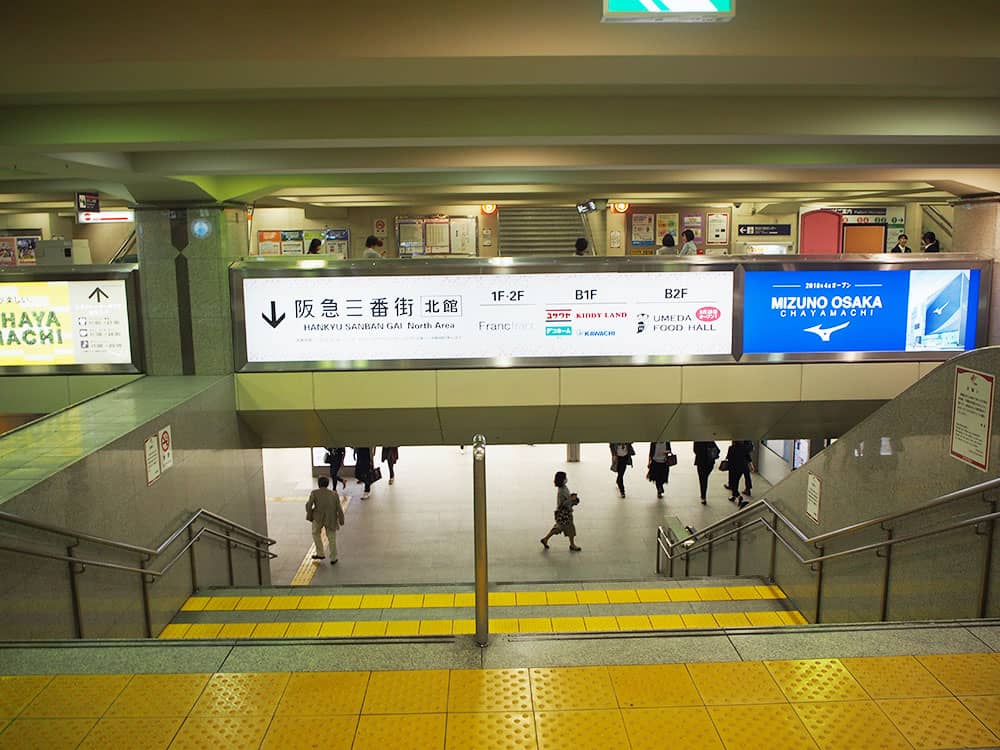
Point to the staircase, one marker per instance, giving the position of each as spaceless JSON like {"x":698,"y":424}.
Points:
{"x":543,"y":230}
{"x":377,"y":612}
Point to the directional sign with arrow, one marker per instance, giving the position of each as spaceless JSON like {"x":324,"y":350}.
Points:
{"x":96,"y":294}
{"x":274,"y":321}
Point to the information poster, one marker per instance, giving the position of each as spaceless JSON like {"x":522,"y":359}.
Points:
{"x":668,"y":224}
{"x":463,"y":235}
{"x":696,"y":223}
{"x":437,"y":236}
{"x":460,"y":317}
{"x":972,"y":418}
{"x":814,"y":490}
{"x":8,"y":251}
{"x":411,"y":235}
{"x":292,"y":242}
{"x":151,"y":449}
{"x":63,"y":323}
{"x":337,"y":243}
{"x":268,"y":242}
{"x":26,"y":250}
{"x":309,"y":235}
{"x":718,"y":229}
{"x":643,"y":227}
{"x":860,"y":311}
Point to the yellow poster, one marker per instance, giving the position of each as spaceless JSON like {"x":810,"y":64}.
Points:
{"x":35,"y":324}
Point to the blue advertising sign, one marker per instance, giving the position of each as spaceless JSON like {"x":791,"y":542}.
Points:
{"x":800,"y":312}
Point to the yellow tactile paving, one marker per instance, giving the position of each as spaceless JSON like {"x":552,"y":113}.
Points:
{"x":337,"y":630}
{"x":503,"y":625}
{"x":734,"y":683}
{"x":491,"y":730}
{"x":76,"y":696}
{"x":592,"y":597}
{"x":323,"y":694}
{"x":764,"y":619}
{"x":345,"y":601}
{"x":938,"y":723}
{"x":652,"y":596}
{"x":204,"y":732}
{"x":743,"y":593}
{"x":770,"y":727}
{"x":18,"y":691}
{"x":403,"y":627}
{"x":850,"y":724}
{"x":174,"y":631}
{"x":310,"y":732}
{"x":284,"y":602}
{"x":531,"y":599}
{"x":160,"y":695}
{"x":554,"y":598}
{"x":502,"y":599}
{"x":572,"y":688}
{"x":237,"y":630}
{"x":252,"y":603}
{"x":315,"y":602}
{"x":718,"y":594}
{"x":564,"y":730}
{"x":686,"y":727}
{"x":368,"y":629}
{"x":770,"y":592}
{"x":416,"y":692}
{"x":45,"y":734}
{"x":683,"y":595}
{"x":195,"y":604}
{"x":489,"y":691}
{"x":203,"y":630}
{"x":810,"y":680}
{"x":567,"y":625}
{"x":303,"y":629}
{"x":633,"y":622}
{"x":699,"y":621}
{"x":966,"y":674}
{"x":654,"y":686}
{"x":132,"y":734}
{"x":270,"y":630}
{"x":376,"y":601}
{"x":732,"y":620}
{"x":241,"y":694}
{"x":792,"y":617}
{"x":534,"y":625}
{"x":465,"y":600}
{"x":439,"y":600}
{"x":307,"y":568}
{"x":623,"y":596}
{"x":417,"y":732}
{"x":895,"y":677}
{"x":407,"y":601}
{"x":222,"y":603}
{"x":600,"y":624}
{"x":987,"y":709}
{"x":666,"y":622}
{"x":464,"y":627}
{"x":436,"y":627}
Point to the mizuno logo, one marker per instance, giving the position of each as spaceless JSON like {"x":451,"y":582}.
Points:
{"x":940,"y":310}
{"x":825,"y":333}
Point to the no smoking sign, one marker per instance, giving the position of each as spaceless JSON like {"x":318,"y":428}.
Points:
{"x":166,"y":449}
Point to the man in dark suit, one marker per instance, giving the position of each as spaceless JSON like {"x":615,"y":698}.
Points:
{"x":931,"y":244}
{"x":901,"y":245}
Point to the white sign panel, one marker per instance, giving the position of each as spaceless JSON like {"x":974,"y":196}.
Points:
{"x":166,"y":449}
{"x":63,"y":323}
{"x":105,"y":217}
{"x":813,"y":491}
{"x":497,"y":317}
{"x":972,"y":421}
{"x":152,"y":451}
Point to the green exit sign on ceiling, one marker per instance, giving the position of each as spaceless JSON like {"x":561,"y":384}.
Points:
{"x":698,"y":11}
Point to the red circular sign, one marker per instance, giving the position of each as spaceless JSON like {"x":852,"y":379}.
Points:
{"x":708,"y":314}
{"x":165,"y":441}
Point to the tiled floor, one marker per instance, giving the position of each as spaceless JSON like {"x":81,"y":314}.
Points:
{"x":419,"y":529}
{"x":945,"y":701}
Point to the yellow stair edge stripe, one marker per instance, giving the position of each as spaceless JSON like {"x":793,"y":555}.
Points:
{"x":467,"y":599}
{"x":379,"y":628}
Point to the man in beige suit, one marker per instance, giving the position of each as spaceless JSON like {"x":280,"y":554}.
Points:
{"x":323,"y":509}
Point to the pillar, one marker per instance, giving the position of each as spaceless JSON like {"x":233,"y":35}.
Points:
{"x":184,"y":257}
{"x":977,"y":230}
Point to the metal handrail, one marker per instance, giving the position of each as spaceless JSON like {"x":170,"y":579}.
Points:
{"x":124,"y":248}
{"x":256,"y":543}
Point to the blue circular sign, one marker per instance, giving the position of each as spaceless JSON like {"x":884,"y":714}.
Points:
{"x":201,"y":228}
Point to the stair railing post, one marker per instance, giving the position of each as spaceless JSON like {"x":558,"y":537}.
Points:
{"x":147,"y":617}
{"x":819,"y":587}
{"x":480,"y":533}
{"x":989,"y":534}
{"x":886,"y":572}
{"x":74,"y":594}
{"x":194,"y":562}
{"x":229,"y":558}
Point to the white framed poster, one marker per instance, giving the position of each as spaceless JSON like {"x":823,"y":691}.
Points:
{"x":813,"y":492}
{"x":972,"y":417}
{"x":718,"y":229}
{"x":668,"y":224}
{"x":151,"y":449}
{"x":437,"y":236}
{"x":643,"y":227}
{"x":463,"y":235}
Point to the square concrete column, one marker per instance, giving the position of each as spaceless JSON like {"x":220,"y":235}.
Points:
{"x":977,"y":230}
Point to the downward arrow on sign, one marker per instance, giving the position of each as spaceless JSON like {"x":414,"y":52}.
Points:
{"x":274,"y":321}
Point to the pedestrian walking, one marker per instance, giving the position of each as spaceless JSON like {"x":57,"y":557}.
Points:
{"x":621,"y":459}
{"x":565,"y":502}
{"x":706,"y":453}
{"x":390,"y":455}
{"x":324,"y":511}
{"x":737,"y":459}
{"x":363,"y":470}
{"x":335,"y":457}
{"x":660,"y":457}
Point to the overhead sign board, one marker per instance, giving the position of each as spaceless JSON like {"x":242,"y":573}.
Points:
{"x":788,"y":312}
{"x":105,"y":217}
{"x":696,"y":11}
{"x":88,"y":202}
{"x":55,"y":325}
{"x":764,"y":230}
{"x":489,"y":319}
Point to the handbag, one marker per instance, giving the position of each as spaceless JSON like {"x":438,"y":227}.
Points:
{"x":671,"y":459}
{"x":375,"y":475}
{"x":724,"y":465}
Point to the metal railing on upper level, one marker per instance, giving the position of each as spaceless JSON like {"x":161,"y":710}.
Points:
{"x":125,"y":249}
{"x":764,"y":514}
{"x":234,"y":535}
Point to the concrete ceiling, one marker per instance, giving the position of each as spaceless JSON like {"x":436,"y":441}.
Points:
{"x":388,"y":102}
